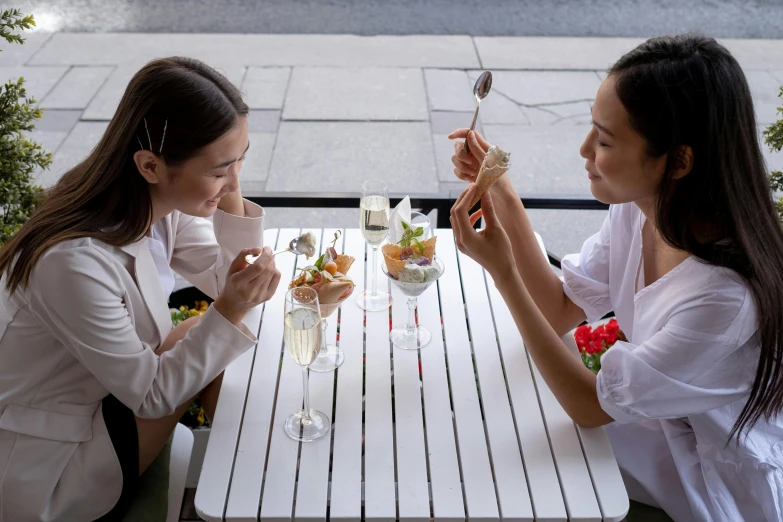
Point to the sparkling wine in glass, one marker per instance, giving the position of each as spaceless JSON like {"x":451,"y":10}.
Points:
{"x":374,"y":222}
{"x":302,"y":336}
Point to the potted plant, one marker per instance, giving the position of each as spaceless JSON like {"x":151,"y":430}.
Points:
{"x":20,"y":157}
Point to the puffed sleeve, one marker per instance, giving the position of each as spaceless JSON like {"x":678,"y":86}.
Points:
{"x":203,"y":251}
{"x":78,"y":295}
{"x":704,"y":357}
{"x":586,"y":275}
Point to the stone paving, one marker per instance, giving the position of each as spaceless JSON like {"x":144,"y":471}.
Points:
{"x":328,"y":111}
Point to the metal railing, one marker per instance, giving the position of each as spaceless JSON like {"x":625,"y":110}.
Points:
{"x":440,"y":202}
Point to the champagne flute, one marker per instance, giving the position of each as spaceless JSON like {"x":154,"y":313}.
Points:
{"x":302,"y":335}
{"x":375,"y":226}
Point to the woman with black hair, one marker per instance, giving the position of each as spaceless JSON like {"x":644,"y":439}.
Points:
{"x":690,"y":259}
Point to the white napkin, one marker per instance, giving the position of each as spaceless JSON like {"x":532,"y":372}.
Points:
{"x":401,"y":212}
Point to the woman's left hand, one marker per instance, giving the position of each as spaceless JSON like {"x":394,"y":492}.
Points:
{"x":489,"y":247}
{"x":232,"y":203}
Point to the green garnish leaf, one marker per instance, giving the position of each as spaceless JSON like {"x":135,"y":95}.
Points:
{"x":419,"y":232}
{"x":320,"y":262}
{"x":421,"y":247}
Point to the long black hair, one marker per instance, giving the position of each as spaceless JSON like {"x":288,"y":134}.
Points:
{"x":689,"y":90}
{"x":174,"y":107}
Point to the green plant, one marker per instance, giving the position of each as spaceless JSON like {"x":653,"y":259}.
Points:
{"x":410,"y":235}
{"x":773,"y":137}
{"x":19,"y":156}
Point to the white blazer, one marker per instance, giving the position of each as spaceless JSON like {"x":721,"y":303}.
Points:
{"x":86,"y":326}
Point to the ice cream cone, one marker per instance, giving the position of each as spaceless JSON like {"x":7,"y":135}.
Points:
{"x":495,"y":164}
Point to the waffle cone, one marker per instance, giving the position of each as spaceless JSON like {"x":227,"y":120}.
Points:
{"x":486,"y":178}
{"x":343,"y":263}
{"x":391,"y":255}
{"x":429,"y":247}
{"x":327,"y":309}
{"x":330,"y":292}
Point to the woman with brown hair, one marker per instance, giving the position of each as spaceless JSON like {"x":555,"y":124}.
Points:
{"x":92,"y":377}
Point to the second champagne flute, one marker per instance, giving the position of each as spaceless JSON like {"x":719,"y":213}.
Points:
{"x":375,"y":225}
{"x":302,"y":336}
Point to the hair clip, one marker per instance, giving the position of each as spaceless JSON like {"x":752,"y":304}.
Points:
{"x":165,"y":125}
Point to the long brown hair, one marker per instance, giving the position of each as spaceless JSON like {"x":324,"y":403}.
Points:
{"x":105,"y":196}
{"x":689,"y":90}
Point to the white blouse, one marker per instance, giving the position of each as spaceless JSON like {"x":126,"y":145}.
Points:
{"x":676,"y":388}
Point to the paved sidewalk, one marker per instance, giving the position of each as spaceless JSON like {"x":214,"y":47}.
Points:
{"x":329,"y":111}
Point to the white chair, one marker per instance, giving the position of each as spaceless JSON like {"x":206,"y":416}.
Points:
{"x":181,"y":449}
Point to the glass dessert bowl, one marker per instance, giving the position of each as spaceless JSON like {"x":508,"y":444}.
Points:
{"x":413,"y":279}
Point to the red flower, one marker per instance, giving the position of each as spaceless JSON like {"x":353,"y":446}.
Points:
{"x":595,"y":340}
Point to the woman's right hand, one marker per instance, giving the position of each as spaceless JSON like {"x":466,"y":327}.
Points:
{"x":467,"y":164}
{"x":248,"y":285}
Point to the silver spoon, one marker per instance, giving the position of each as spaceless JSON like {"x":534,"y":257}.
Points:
{"x":480,"y":91}
{"x":293,"y":247}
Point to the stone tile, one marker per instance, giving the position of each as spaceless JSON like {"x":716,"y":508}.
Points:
{"x":79,"y":143}
{"x":322,"y":156}
{"x":756,"y":54}
{"x":234,"y":73}
{"x":576,"y":113}
{"x":444,"y":150}
{"x":38,"y":81}
{"x":765,"y":89}
{"x":255,"y":169}
{"x":498,"y":109}
{"x":774,"y":159}
{"x":565,"y":231}
{"x":777,"y":74}
{"x":282,"y":217}
{"x":77,"y":88}
{"x":263,"y":121}
{"x":545,"y":160}
{"x":374,"y":94}
{"x":265,"y":87}
{"x":544,"y":87}
{"x":445,"y":122}
{"x":539,"y":115}
{"x":50,"y":141}
{"x":449,"y":90}
{"x":262,"y":50}
{"x":106,"y":101}
{"x":57,"y":120}
{"x":15,"y":54}
{"x":552,"y":52}
{"x":453,"y":188}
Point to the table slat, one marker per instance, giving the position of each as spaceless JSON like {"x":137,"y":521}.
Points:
{"x":313,"y":484}
{"x":544,"y":485}
{"x":608,"y":483}
{"x":513,"y":495}
{"x":480,"y":493}
{"x":278,"y":495}
{"x":346,"y":490}
{"x":248,"y":475}
{"x":412,"y":485}
{"x":211,"y":495}
{"x":447,"y":500}
{"x":379,"y":493}
{"x":581,"y":502}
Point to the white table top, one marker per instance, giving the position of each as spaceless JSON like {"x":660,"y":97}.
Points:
{"x":469,"y":415}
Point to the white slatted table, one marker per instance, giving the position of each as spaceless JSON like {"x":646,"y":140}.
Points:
{"x":465,"y":429}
